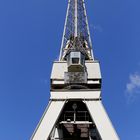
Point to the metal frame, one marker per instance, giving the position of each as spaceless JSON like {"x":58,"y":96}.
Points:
{"x":48,"y":128}
{"x":76,"y":24}
{"x":61,"y":50}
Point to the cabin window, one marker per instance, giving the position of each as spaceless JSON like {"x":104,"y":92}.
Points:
{"x":75,"y":60}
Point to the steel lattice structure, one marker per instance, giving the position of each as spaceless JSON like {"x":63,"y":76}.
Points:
{"x":75,"y":110}
{"x":76,"y":25}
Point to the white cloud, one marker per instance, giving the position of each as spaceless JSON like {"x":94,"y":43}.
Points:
{"x":133,"y":87}
{"x":97,"y":28}
{"x":134,"y":83}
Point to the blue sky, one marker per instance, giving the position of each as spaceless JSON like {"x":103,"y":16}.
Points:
{"x":30,"y":39}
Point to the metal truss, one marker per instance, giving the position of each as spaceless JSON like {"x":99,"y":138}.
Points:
{"x":76,"y":26}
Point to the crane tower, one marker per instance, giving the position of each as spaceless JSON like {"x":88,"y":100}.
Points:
{"x":75,"y":110}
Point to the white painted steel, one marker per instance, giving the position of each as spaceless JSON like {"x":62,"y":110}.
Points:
{"x":58,"y":134}
{"x":76,"y":122}
{"x":93,"y":70}
{"x":88,"y":29}
{"x":59,"y":68}
{"x":101,"y":120}
{"x":58,"y":82}
{"x":93,"y":82}
{"x":76,"y":95}
{"x":61,"y":50}
{"x":48,"y":120}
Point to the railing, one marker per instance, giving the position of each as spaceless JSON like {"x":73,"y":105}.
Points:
{"x":79,"y":116}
